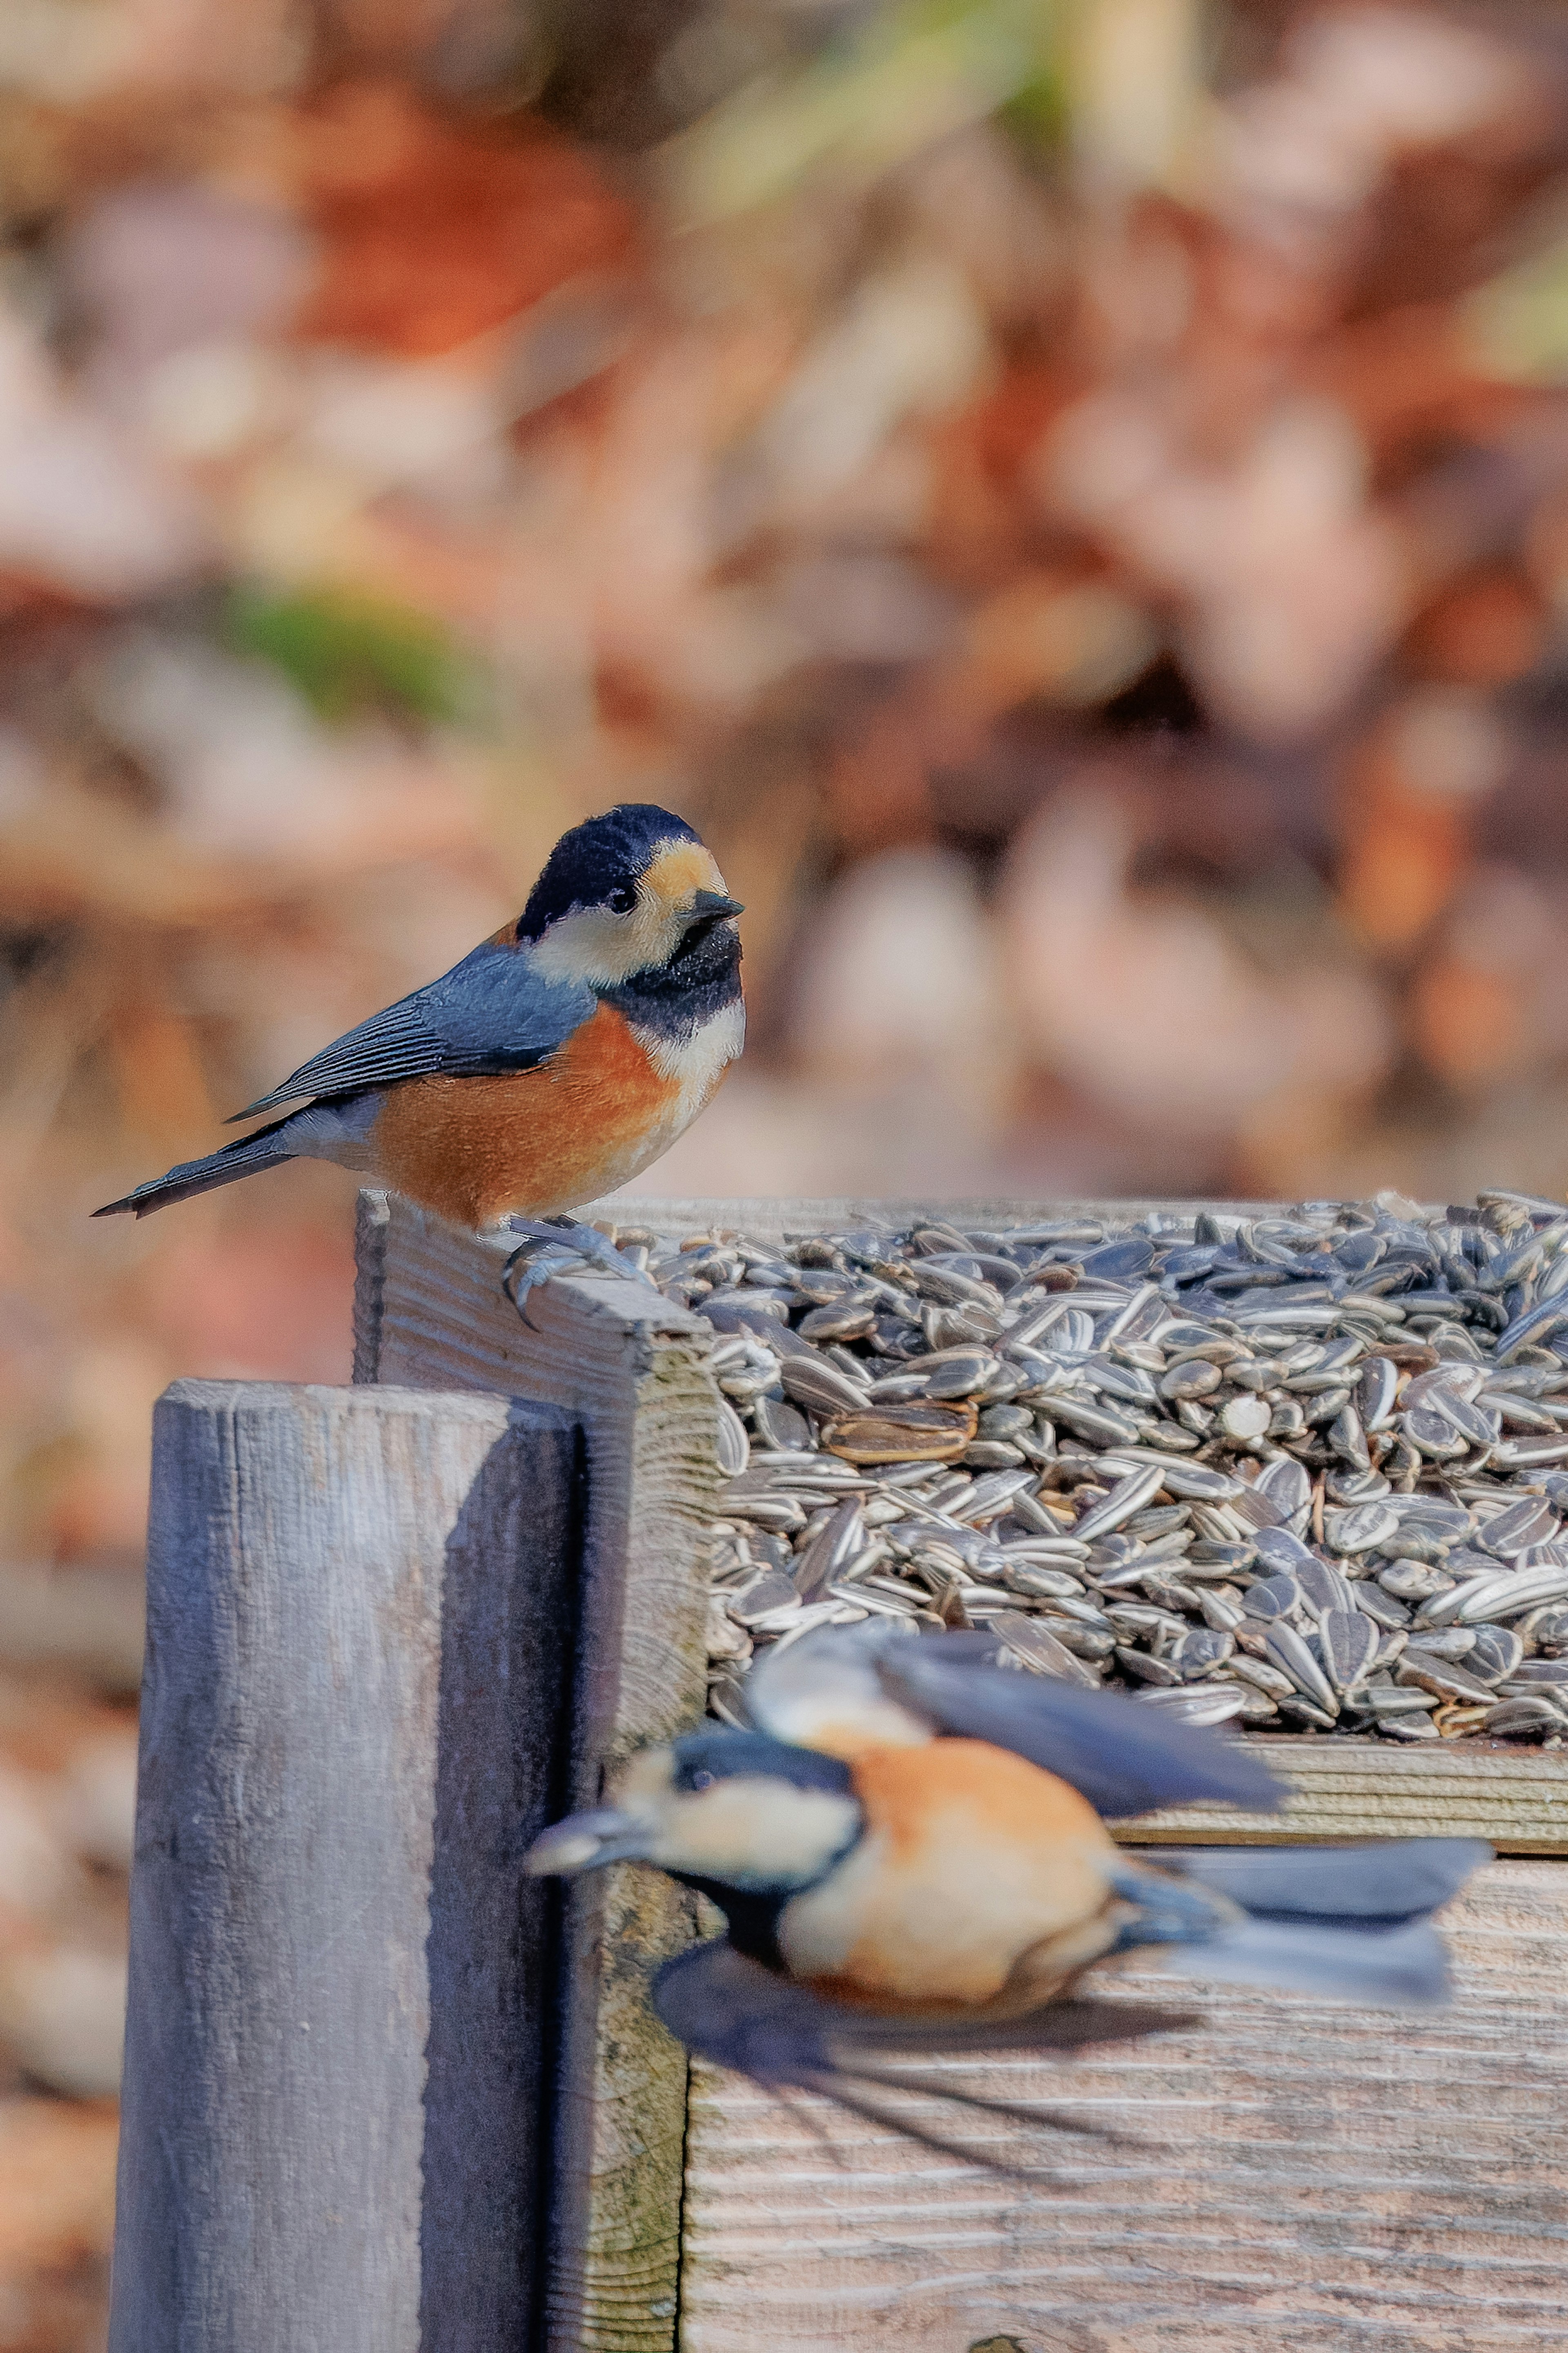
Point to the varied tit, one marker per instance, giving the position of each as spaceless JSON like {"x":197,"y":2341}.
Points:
{"x":551,"y":1065}
{"x":911,"y":1855}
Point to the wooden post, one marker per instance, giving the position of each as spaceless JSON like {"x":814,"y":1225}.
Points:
{"x":361,"y":1605}
{"x":429,"y":1310}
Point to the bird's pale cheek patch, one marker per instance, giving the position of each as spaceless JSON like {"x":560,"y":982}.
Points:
{"x":753,"y":1830}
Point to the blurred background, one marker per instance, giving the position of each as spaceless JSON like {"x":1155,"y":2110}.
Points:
{"x":1070,"y":497}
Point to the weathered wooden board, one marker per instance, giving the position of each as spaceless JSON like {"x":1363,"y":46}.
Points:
{"x":771,"y":1217}
{"x":1514,"y":1794}
{"x":430,"y":1312}
{"x":1313,"y":2178}
{"x":1344,"y":2180}
{"x":340,"y":1981}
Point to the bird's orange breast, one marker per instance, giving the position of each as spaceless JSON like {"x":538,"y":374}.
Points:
{"x":480,"y":1149}
{"x":972,"y":1858}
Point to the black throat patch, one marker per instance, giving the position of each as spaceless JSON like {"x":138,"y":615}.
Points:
{"x":675,"y":1000}
{"x":753,"y":1912}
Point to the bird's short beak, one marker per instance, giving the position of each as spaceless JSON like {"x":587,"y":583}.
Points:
{"x":711,"y":905}
{"x":584,"y":1842}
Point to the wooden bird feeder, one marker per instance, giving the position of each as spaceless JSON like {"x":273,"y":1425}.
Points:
{"x":384,"y":2095}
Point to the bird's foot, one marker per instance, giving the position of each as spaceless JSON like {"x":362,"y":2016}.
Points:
{"x":556,"y":1246}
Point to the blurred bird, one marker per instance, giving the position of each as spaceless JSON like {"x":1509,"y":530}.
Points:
{"x":910,"y":1853}
{"x":552,"y":1064}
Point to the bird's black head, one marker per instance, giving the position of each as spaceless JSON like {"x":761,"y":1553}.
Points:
{"x":699,"y":1759}
{"x":632,"y":903}
{"x":748,"y":1820}
{"x":601,"y":862}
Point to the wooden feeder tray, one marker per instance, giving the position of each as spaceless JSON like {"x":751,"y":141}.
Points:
{"x":384,"y":2095}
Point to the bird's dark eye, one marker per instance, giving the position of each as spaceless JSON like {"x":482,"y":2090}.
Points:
{"x":621,"y":902}
{"x":702,"y":1780}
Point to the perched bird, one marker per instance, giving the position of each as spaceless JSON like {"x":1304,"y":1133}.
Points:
{"x":552,"y":1064}
{"x":911,"y":1855}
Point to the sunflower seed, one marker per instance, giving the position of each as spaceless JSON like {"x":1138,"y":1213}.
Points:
{"x":770,"y":1596}
{"x":1129,"y":1495}
{"x":734,"y":1445}
{"x":1361,"y":1529}
{"x":1408,"y":1727}
{"x":1524,"y":1719}
{"x":1495,"y":1654}
{"x":1197,"y":1654}
{"x":1272,"y":1597}
{"x":1446,"y":1677}
{"x":1144,"y":1669}
{"x":813,"y":1382}
{"x":1027,"y":1640}
{"x":1323,"y":1588}
{"x":1395,"y":1700}
{"x":1206,"y":1703}
{"x":906,"y":1433}
{"x":1503,"y":1598}
{"x":1375,"y":1392}
{"x":1288,"y":1652}
{"x":829,"y":1553}
{"x":781,"y":1426}
{"x":1350,"y":1645}
{"x":1516,"y":1529}
{"x":1280,"y":1552}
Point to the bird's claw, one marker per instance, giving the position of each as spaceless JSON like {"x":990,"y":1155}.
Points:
{"x":550,"y":1250}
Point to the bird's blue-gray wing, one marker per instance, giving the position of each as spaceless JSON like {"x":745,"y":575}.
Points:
{"x":493,"y":1013}
{"x":1125,"y":1759}
{"x":734,"y":2012}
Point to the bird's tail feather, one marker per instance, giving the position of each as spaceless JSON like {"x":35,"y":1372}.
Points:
{"x":1396,"y":1968}
{"x":265,"y":1149}
{"x":1384,"y":1883}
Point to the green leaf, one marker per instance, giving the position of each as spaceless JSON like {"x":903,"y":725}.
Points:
{"x":914,"y":75}
{"x":1517,"y":323}
{"x":346,"y":652}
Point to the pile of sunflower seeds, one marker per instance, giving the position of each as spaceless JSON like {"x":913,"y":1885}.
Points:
{"x":1304,"y":1471}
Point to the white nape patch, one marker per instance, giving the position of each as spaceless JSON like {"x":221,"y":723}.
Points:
{"x":831,"y":1699}
{"x":698,"y":1063}
{"x":754,"y":1830}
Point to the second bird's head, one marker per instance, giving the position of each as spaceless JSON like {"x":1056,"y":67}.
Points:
{"x":633,"y":899}
{"x":720,"y":1809}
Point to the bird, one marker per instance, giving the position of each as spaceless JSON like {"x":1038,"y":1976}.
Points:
{"x":910,"y":1849}
{"x":552,"y":1064}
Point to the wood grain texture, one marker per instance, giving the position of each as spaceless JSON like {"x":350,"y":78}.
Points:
{"x":1311,"y":2177}
{"x":1513,"y":1794}
{"x":340,"y":1978}
{"x":771,"y":1216}
{"x":630,"y":1365}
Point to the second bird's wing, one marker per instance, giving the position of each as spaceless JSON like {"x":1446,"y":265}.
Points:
{"x":493,"y":1013}
{"x":734,"y":2012}
{"x":1124,"y":1759}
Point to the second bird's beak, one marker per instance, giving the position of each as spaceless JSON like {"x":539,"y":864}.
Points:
{"x":709,"y":906}
{"x":584,"y":1842}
